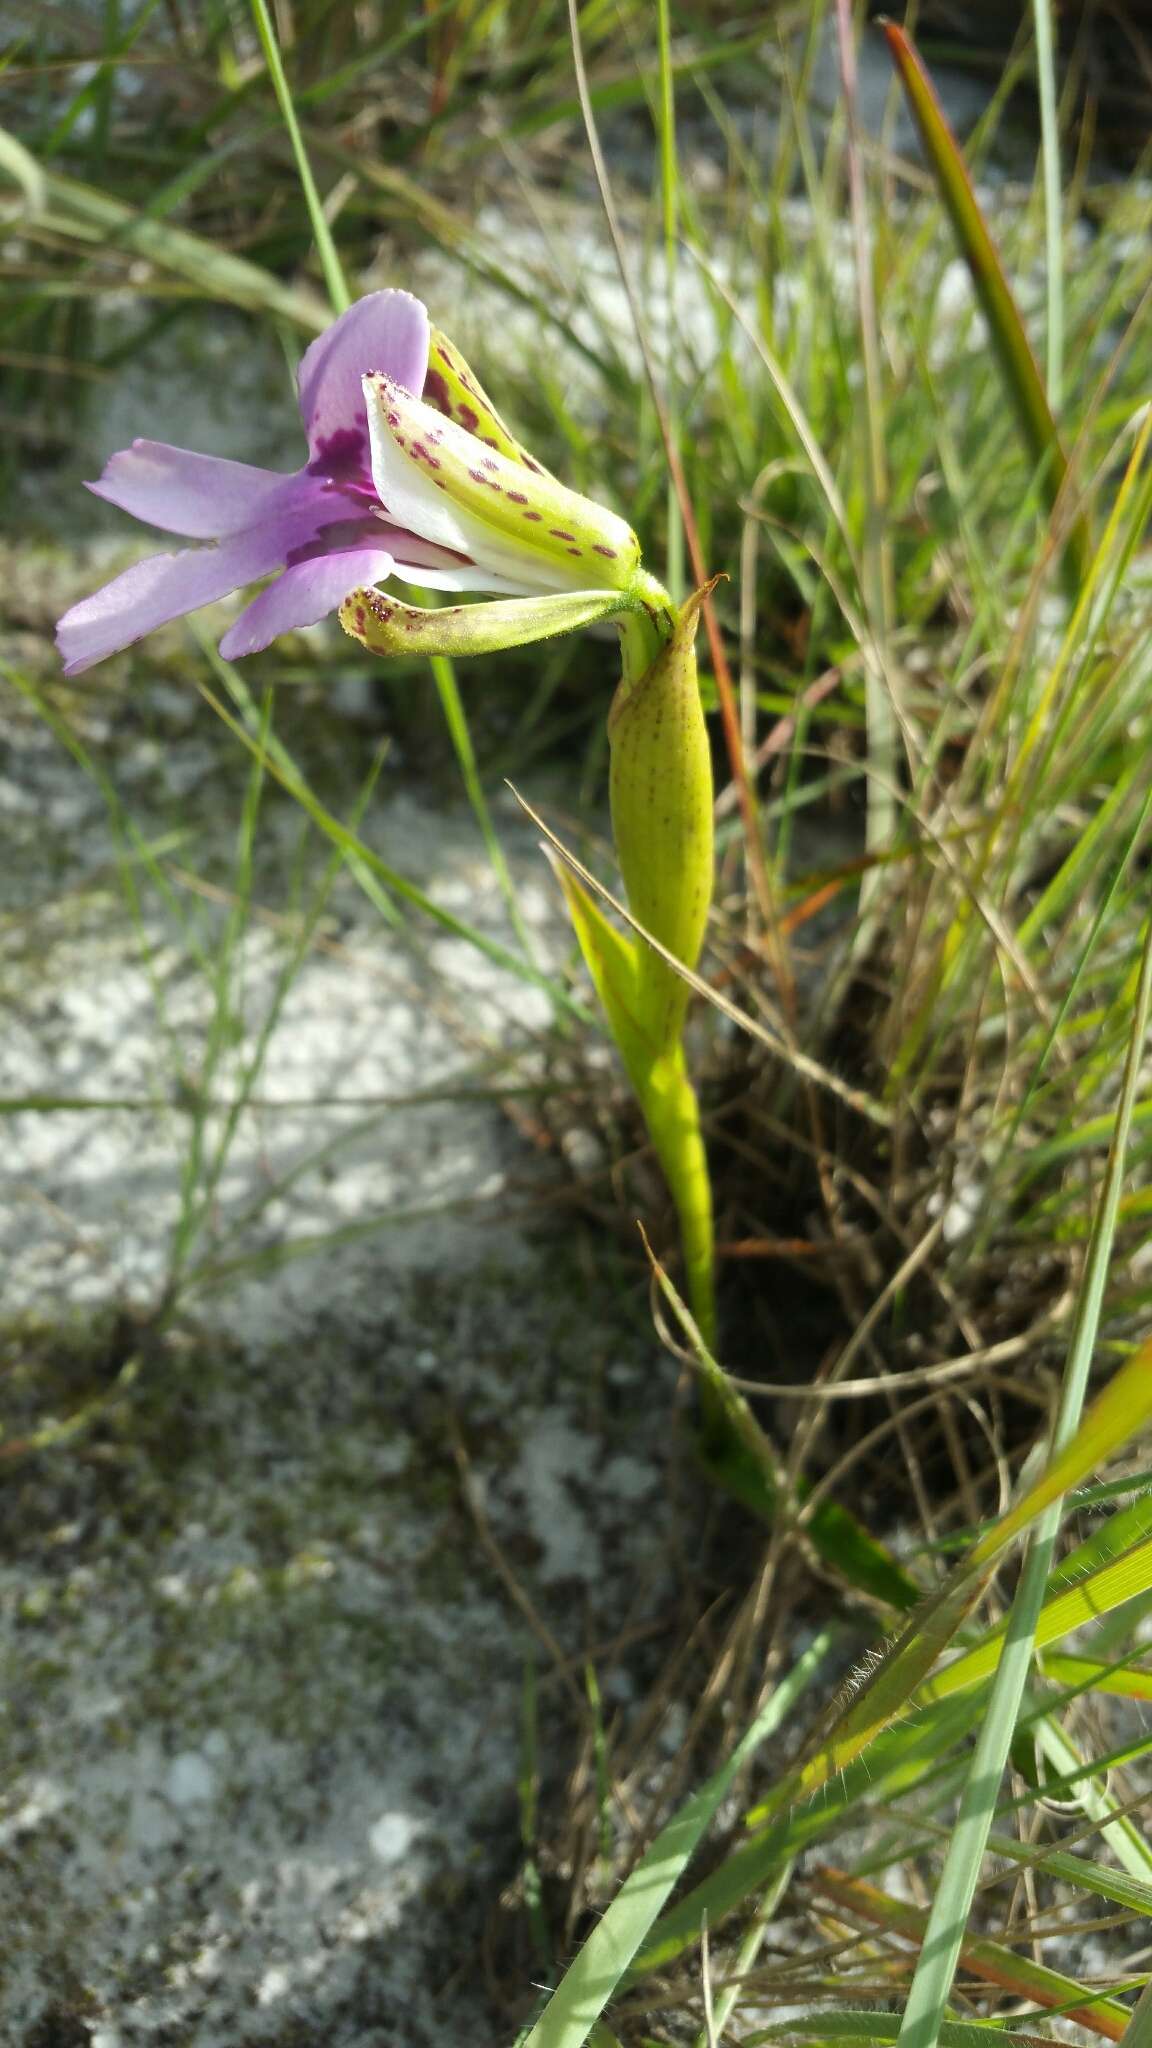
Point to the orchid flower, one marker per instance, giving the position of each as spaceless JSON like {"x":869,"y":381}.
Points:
{"x":372,"y":501}
{"x":411,"y":473}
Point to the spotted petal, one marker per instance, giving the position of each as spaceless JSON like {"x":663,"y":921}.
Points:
{"x":388,"y":627}
{"x":455,"y":390}
{"x":439,"y":481}
{"x":386,"y":331}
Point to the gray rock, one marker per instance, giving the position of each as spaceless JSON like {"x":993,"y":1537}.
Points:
{"x":263,"y":1679}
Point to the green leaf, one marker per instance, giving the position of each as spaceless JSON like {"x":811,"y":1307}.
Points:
{"x":611,"y":961}
{"x":1018,"y":367}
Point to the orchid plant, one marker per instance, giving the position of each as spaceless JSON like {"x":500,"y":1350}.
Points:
{"x":411,"y":474}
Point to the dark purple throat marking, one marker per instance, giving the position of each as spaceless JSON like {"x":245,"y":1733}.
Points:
{"x":341,"y":456}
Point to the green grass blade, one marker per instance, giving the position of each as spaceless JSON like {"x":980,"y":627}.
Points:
{"x":825,"y":2024}
{"x":591,"y":1980}
{"x":364,"y":863}
{"x":1120,"y":1834}
{"x":1123,"y":1408}
{"x":321,"y":232}
{"x":1138,"y":2033}
{"x":1050,"y":168}
{"x":669,"y":194}
{"x":899,"y":1761}
{"x":456,"y":719}
{"x":81,"y":213}
{"x":18,"y":164}
{"x":944,"y":1937}
{"x":1100,"y":1592}
{"x":1087,"y":1674}
{"x":994,"y":1961}
{"x":1095,"y":1879}
{"x":1022,"y":379}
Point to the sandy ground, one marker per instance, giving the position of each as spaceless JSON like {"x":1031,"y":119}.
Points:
{"x":264,"y":1682}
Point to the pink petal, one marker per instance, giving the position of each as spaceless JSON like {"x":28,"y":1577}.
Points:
{"x":155,"y":591}
{"x":302,"y":596}
{"x":386,"y":331}
{"x":202,"y":496}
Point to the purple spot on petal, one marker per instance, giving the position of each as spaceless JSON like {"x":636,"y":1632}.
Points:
{"x":436,"y":392}
{"x":341,"y":455}
{"x":558,"y":533}
{"x":333,"y":539}
{"x":468,"y":418}
{"x":575,"y":551}
{"x":517,"y":497}
{"x":532,"y":515}
{"x":609,"y":553}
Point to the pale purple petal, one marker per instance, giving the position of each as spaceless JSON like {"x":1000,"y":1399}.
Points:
{"x":155,"y":591}
{"x":386,"y":331}
{"x":201,"y":496}
{"x":302,"y":596}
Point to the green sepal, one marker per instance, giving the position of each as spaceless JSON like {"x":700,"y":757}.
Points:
{"x":387,"y":627}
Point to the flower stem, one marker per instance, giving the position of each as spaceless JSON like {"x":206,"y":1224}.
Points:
{"x":672,"y":1114}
